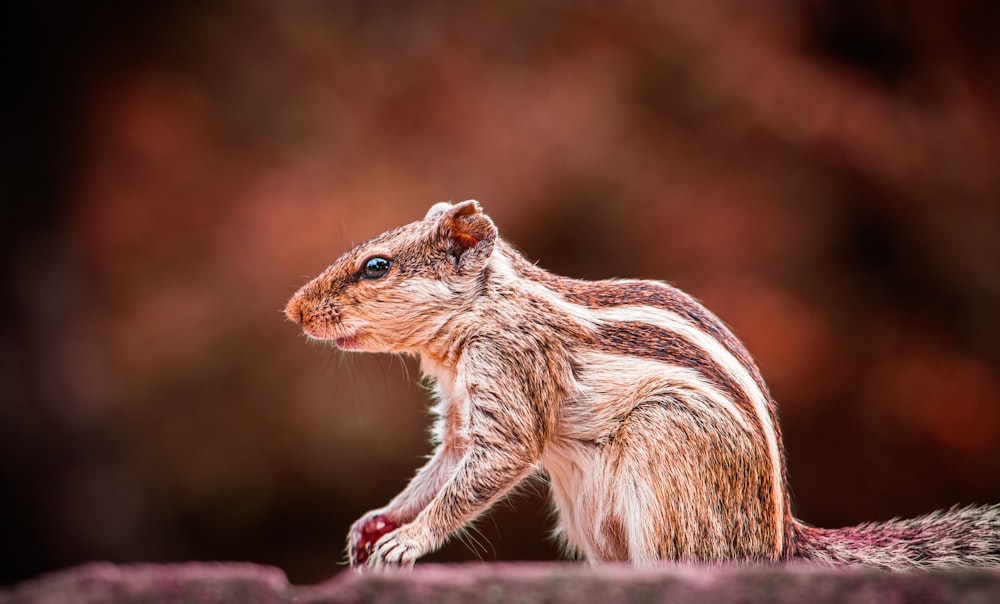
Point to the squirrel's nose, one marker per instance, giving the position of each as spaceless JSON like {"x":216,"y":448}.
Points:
{"x":294,"y":310}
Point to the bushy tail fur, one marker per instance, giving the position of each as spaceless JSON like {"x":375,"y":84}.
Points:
{"x":966,"y":537}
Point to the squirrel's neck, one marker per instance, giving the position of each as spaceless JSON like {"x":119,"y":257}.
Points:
{"x":508,"y":281}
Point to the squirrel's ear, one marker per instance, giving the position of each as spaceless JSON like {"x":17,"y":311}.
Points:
{"x":438,"y":209}
{"x":464,"y":227}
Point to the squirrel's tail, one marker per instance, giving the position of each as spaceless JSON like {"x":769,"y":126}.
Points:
{"x":968,"y":537}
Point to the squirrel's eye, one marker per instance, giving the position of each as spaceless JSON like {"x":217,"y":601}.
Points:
{"x":375,"y":268}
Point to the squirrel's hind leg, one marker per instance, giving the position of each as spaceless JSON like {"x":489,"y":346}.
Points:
{"x":687,"y":484}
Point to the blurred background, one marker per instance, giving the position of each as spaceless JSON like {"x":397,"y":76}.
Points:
{"x":823,"y":174}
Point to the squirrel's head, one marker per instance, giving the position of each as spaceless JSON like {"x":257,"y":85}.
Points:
{"x":394,"y":292}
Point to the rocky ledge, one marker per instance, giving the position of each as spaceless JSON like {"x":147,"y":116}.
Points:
{"x":216,"y":583}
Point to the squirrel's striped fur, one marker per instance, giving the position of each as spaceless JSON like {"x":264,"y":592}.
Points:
{"x":657,"y":433}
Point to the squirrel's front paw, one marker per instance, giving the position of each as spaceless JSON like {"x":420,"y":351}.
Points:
{"x":401,"y":547}
{"x":365,"y":533}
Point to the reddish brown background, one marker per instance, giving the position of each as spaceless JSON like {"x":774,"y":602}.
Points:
{"x":822,"y":174}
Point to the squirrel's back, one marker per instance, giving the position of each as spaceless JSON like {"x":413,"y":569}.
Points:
{"x":666,"y":398}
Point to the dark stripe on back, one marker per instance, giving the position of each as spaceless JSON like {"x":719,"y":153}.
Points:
{"x":651,"y":342}
{"x":607,"y":294}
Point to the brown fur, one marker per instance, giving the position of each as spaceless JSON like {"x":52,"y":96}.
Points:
{"x":655,"y":428}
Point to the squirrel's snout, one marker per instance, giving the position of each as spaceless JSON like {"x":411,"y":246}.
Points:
{"x":294,"y":310}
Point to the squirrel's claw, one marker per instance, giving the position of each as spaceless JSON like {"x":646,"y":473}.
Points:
{"x":400,"y":548}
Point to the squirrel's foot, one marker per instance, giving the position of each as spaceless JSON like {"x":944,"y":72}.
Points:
{"x":401,"y":547}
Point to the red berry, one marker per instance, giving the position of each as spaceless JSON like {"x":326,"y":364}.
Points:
{"x":370,"y":532}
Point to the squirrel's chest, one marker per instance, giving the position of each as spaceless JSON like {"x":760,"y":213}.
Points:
{"x":451,"y":408}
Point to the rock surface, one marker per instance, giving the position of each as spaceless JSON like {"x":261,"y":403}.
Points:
{"x":216,"y":583}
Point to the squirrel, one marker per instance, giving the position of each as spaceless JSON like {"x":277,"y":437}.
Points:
{"x":653,"y":426}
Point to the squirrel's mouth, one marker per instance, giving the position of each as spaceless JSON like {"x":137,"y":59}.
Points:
{"x":348,"y":342}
